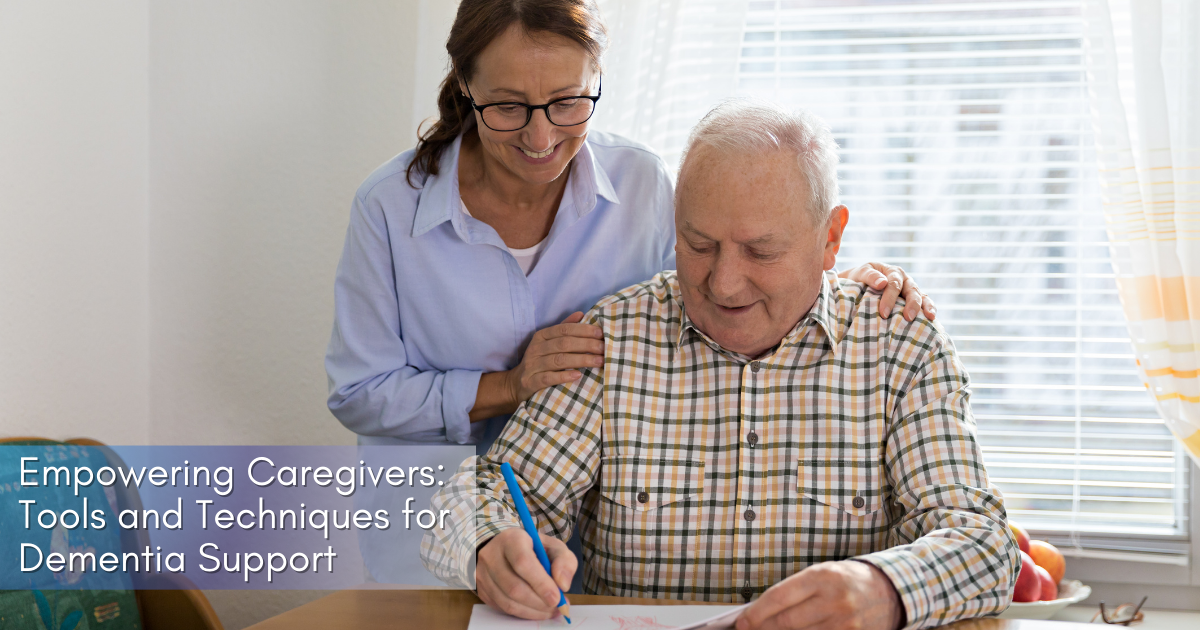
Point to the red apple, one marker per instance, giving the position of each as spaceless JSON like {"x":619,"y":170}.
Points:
{"x":1020,"y":535}
{"x":1029,"y":586}
{"x":1049,"y":588}
{"x":1049,"y":558}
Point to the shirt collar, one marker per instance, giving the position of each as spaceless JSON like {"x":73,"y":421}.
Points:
{"x":823,"y":314}
{"x":440,"y":200}
{"x":589,"y":180}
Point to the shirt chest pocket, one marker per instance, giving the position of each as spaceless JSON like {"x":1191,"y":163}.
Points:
{"x":843,"y":480}
{"x":643,"y":484}
{"x":841,"y":510}
{"x":648,"y":509}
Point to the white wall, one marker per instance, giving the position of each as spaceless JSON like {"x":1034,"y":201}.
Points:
{"x":265,"y":116}
{"x":434,"y":19}
{"x":175,"y":182}
{"x":73,"y":235}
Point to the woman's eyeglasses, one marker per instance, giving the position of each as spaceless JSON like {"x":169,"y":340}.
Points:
{"x":511,"y":116}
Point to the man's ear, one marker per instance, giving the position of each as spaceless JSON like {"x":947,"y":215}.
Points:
{"x":838,"y":218}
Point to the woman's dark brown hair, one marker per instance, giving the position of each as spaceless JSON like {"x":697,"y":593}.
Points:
{"x":478,"y":23}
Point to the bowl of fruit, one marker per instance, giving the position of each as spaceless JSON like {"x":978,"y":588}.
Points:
{"x":1041,"y":591}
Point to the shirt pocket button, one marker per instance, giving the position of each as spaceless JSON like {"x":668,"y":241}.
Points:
{"x":859,"y":502}
{"x":644,"y":496}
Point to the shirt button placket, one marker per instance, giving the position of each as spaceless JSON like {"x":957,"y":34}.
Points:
{"x":747,"y":381}
{"x":748,"y":515}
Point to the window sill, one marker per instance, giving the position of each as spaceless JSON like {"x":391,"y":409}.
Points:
{"x":1161,"y":598}
{"x":1092,"y":571}
{"x":1155,"y":619}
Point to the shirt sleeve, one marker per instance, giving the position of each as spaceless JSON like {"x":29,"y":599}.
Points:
{"x":951,"y":554}
{"x":552,"y":443}
{"x":372,"y":389}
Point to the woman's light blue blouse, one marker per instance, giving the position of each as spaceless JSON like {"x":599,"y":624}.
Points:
{"x":427,"y":298}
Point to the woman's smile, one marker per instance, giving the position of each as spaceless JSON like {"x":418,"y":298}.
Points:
{"x":539,"y":158}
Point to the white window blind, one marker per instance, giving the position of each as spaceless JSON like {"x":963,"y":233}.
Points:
{"x":967,"y":158}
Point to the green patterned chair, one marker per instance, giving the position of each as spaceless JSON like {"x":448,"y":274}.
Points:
{"x":175,"y":607}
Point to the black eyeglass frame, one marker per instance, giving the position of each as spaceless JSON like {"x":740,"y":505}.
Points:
{"x":529,"y":109}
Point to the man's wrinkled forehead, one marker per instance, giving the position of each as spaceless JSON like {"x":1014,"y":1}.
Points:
{"x":748,"y":235}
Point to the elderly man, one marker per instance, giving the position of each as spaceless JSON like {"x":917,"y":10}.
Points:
{"x":755,"y":433}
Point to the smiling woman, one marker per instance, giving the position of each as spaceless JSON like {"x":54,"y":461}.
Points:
{"x":468,"y":259}
{"x":512,"y":168}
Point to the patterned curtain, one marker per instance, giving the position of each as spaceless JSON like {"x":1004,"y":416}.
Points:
{"x":1143,"y":60}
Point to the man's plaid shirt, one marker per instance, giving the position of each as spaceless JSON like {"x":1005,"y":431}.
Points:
{"x":699,"y":474}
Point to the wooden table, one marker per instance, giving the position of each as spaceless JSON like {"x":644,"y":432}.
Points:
{"x":451,"y":610}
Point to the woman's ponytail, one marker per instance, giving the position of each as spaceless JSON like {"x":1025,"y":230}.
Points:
{"x":454,"y":108}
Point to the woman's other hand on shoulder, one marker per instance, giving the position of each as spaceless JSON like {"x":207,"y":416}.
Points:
{"x":894,"y":283}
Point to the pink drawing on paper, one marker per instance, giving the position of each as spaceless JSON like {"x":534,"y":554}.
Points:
{"x":638,"y":623}
{"x":620,"y":622}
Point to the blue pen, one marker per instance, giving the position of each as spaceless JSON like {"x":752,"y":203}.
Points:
{"x":510,"y":480}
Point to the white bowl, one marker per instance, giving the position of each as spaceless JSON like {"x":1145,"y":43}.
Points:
{"x":1069,"y":592}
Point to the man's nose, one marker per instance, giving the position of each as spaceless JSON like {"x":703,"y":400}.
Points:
{"x":726,"y":278}
{"x":539,"y":133}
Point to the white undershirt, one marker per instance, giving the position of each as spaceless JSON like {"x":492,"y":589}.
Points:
{"x":526,"y":258}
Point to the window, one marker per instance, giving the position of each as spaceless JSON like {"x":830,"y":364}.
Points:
{"x":967,"y":158}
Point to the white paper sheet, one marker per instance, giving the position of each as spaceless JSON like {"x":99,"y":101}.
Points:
{"x":484,"y":617}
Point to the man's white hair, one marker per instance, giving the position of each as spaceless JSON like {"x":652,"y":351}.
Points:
{"x":755,"y":126}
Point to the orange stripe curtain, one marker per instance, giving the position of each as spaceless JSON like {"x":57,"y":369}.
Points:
{"x":1143,"y":60}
